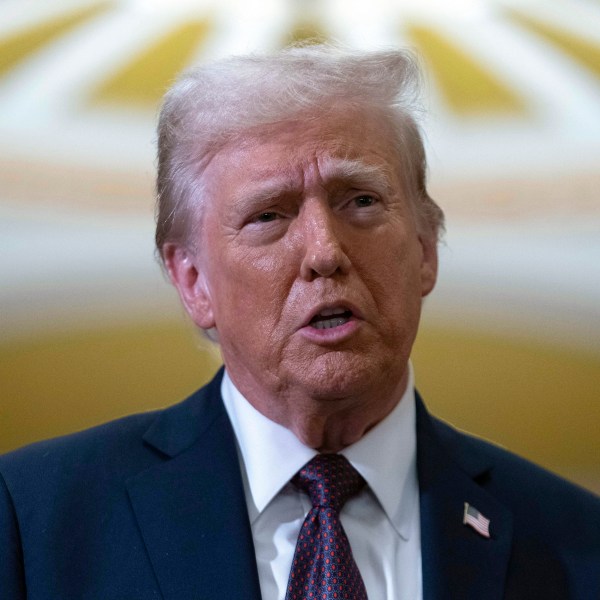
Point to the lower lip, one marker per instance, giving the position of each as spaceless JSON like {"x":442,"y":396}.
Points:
{"x":332,"y":335}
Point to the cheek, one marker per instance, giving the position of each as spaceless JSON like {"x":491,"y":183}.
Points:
{"x":390,"y":263}
{"x":395,"y":284}
{"x":253,"y":289}
{"x":264,"y":264}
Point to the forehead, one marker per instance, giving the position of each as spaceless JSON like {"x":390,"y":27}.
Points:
{"x":350,"y":144}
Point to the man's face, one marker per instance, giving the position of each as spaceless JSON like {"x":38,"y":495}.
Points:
{"x":309,"y":262}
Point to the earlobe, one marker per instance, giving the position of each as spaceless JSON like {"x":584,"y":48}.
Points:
{"x":189,"y":281}
{"x":429,"y":263}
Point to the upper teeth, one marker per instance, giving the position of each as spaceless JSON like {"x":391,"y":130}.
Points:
{"x":336,"y":322}
{"x":326,"y":312}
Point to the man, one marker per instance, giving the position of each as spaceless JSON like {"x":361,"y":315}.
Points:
{"x":294,"y":221}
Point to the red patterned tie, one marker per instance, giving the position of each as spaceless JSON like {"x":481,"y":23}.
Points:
{"x":323,"y":567}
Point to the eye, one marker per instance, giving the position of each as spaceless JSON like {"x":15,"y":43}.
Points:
{"x":365,"y":201}
{"x":266,"y":217}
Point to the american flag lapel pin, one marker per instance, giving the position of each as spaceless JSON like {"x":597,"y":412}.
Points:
{"x":473,"y":518}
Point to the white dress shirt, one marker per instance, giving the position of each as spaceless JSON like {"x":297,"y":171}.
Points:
{"x":381,"y":522}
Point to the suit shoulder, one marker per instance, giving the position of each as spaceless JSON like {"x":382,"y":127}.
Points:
{"x":74,"y":452}
{"x":520,"y":482}
{"x":102,"y":454}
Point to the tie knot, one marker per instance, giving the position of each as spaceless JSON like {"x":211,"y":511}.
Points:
{"x":329,"y":480}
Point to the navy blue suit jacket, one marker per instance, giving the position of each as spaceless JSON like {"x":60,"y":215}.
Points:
{"x":152,"y":506}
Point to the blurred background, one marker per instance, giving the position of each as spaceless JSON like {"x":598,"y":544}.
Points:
{"x":510,"y":341}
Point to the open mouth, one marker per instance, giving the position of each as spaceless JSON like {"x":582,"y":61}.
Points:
{"x":331,"y":317}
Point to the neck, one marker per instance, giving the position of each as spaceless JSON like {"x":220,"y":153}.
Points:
{"x":330,"y":424}
{"x":335,"y":431}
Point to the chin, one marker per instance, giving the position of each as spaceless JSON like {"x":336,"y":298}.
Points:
{"x":337,"y":375}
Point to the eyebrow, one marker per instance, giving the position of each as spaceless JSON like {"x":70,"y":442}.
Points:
{"x":343,"y":170}
{"x":269,"y":188}
{"x":354,"y":171}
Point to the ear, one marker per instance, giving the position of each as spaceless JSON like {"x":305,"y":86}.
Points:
{"x":189,"y":280}
{"x":429,"y":262}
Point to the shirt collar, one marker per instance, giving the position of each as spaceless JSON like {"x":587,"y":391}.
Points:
{"x":385,"y":456}
{"x":262,"y":442}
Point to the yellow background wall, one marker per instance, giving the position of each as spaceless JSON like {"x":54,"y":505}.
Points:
{"x":514,"y":134}
{"x":537,"y":400}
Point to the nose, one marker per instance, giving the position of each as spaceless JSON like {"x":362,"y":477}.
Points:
{"x":323,"y":252}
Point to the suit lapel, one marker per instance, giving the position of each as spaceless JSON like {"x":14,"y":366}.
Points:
{"x":191,"y":508}
{"x":457,"y":561}
{"x":193,"y":519}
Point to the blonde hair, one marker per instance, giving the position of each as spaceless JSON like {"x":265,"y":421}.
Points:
{"x":212,"y":103}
